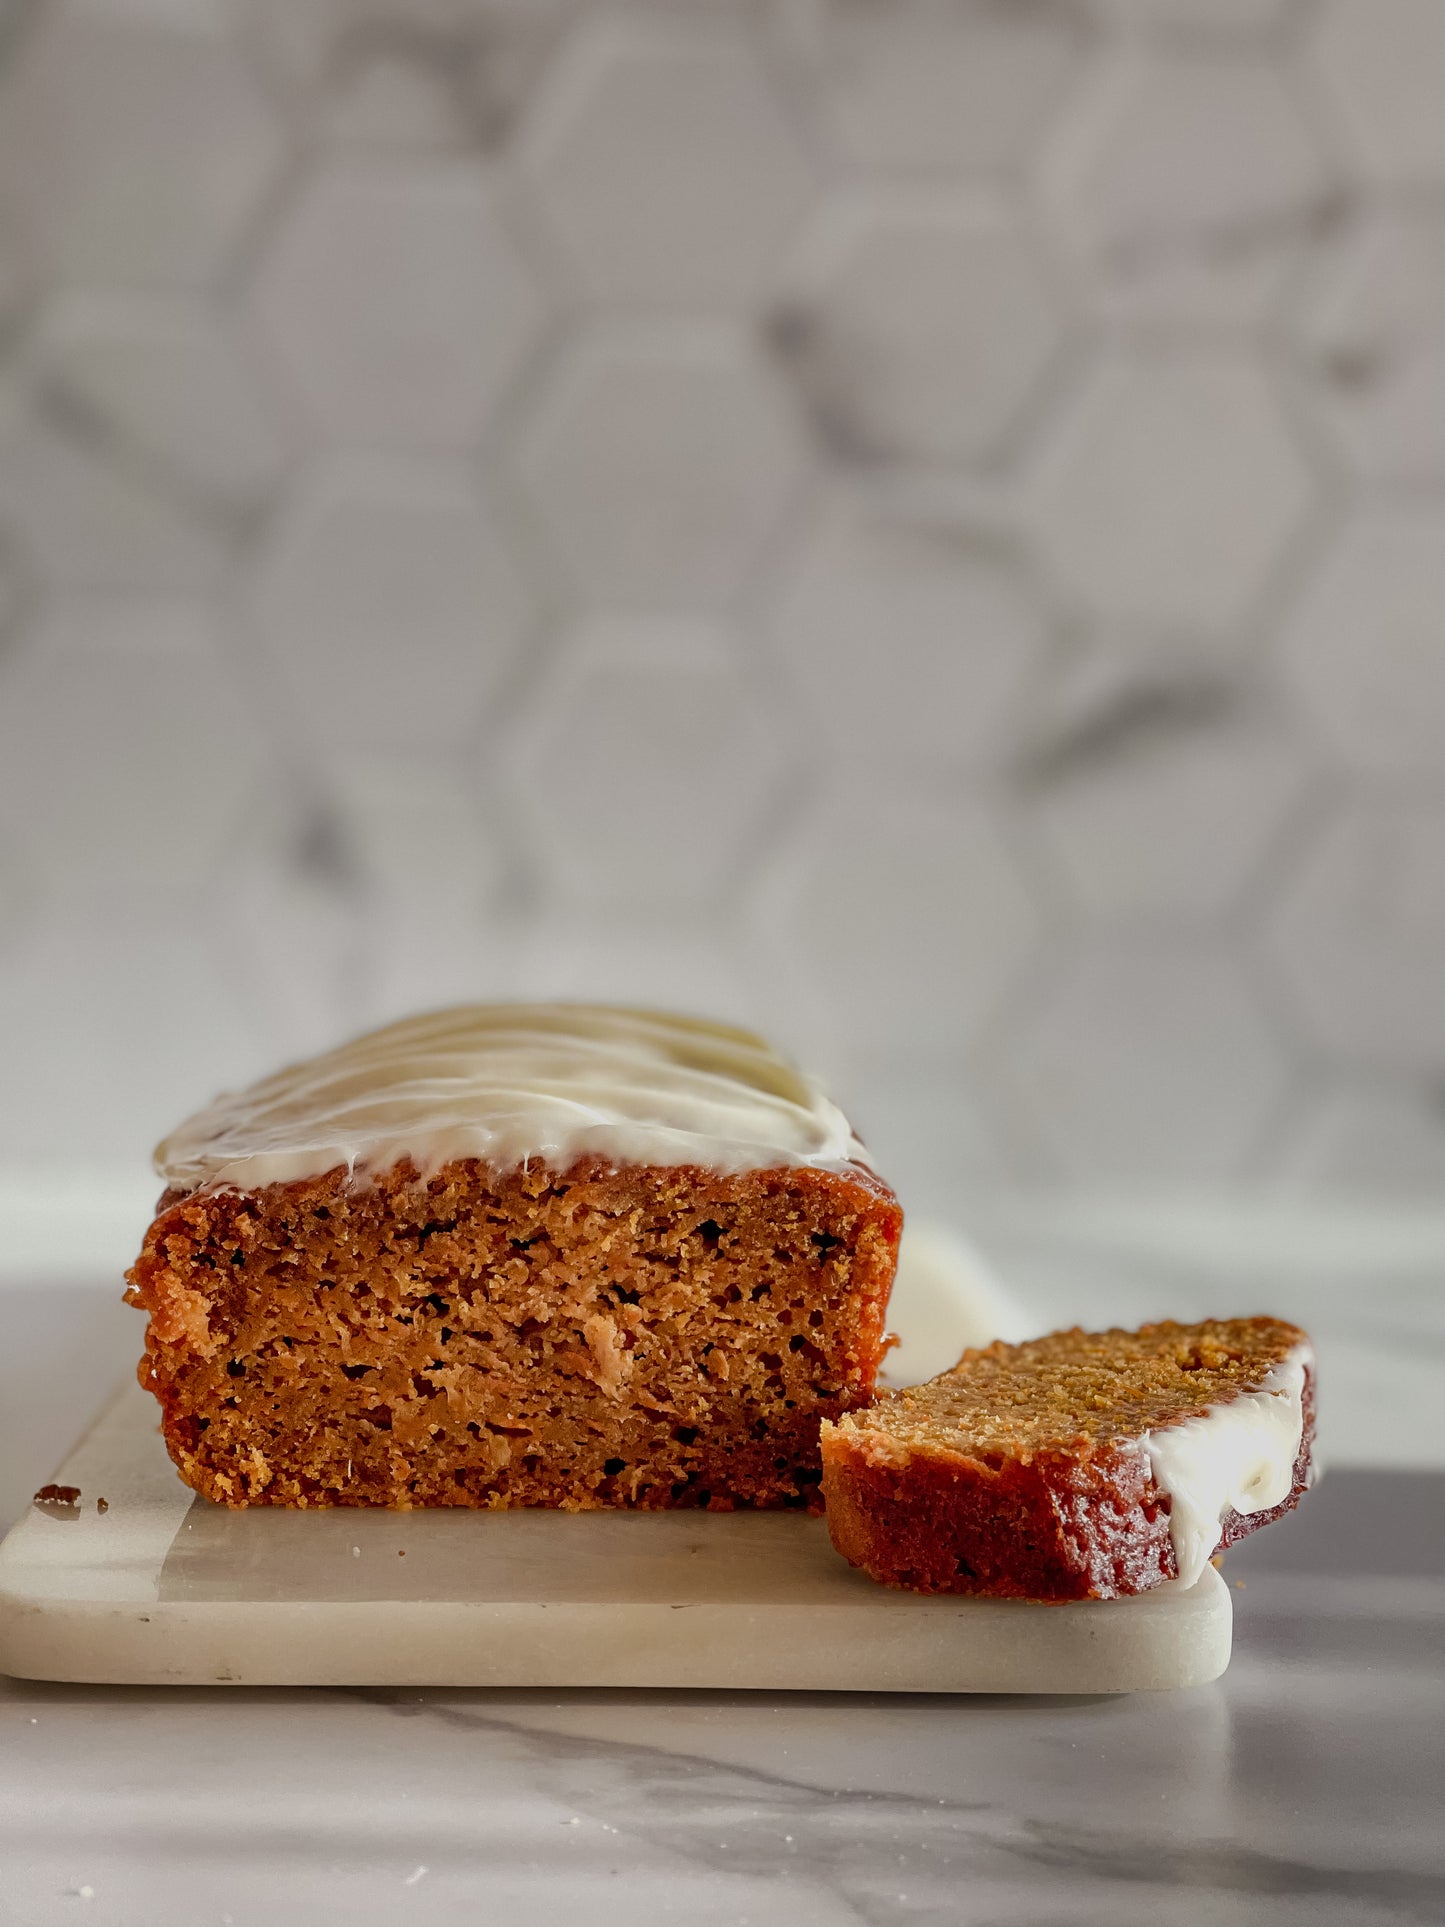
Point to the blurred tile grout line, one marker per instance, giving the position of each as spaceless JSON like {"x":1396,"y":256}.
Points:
{"x":920,"y":528}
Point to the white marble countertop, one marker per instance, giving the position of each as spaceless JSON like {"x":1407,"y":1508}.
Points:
{"x":1302,"y":1788}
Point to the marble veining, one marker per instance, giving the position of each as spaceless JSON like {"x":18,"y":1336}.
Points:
{"x":1300,"y":1788}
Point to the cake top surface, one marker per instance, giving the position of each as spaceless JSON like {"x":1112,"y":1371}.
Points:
{"x":508,"y":1083}
{"x":1049,"y":1393}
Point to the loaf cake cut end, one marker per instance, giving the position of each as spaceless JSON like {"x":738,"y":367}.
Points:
{"x":550,"y":1255}
{"x":1084,"y":1465}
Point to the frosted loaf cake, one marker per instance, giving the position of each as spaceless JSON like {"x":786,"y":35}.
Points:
{"x":512,"y":1255}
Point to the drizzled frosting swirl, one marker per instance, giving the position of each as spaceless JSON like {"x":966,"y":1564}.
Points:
{"x":507,"y":1083}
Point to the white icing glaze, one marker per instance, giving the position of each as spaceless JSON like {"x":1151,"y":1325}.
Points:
{"x":1237,"y":1456}
{"x":507,"y":1083}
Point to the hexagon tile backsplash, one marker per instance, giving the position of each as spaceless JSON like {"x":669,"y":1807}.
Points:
{"x":919,"y":524}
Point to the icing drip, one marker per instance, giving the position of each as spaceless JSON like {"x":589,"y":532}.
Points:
{"x":511,"y":1082}
{"x":1239,"y":1456}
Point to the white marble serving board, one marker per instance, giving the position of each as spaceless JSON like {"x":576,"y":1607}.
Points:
{"x":163,"y":1588}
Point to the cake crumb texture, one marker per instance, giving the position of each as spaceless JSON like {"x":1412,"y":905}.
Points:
{"x":646,"y":1336}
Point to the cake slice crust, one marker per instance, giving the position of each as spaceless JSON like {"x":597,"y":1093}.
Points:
{"x":1044,"y":1470}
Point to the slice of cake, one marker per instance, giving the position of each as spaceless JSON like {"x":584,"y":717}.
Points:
{"x":1085,"y":1465}
{"x":516,"y":1255}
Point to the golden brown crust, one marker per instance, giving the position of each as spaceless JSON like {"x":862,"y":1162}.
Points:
{"x":1018,"y":1473}
{"x":650,"y":1336}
